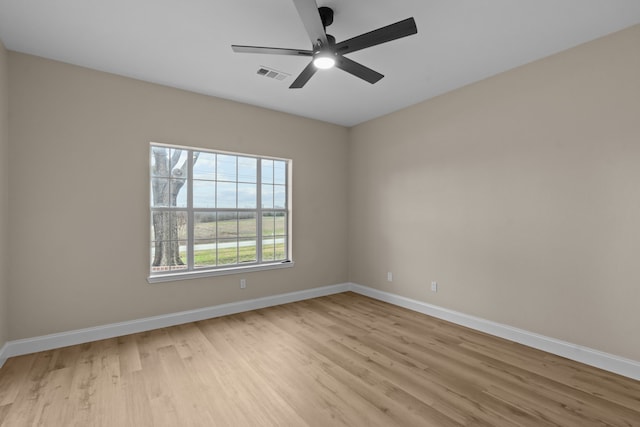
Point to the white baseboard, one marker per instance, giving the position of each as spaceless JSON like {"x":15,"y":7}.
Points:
{"x":80,"y":336}
{"x":608,"y":362}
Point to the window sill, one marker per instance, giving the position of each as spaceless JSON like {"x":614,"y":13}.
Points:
{"x":172,"y":277}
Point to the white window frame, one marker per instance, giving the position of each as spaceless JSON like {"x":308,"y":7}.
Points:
{"x":190,"y":271}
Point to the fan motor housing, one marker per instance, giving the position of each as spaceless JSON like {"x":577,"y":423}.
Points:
{"x":326,"y":15}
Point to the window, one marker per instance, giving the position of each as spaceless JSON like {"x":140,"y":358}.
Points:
{"x":217,"y":212}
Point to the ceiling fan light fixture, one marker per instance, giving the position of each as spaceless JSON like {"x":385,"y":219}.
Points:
{"x":324,"y":60}
{"x":326,"y":53}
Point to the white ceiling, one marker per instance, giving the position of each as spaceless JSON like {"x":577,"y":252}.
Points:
{"x":186,"y":44}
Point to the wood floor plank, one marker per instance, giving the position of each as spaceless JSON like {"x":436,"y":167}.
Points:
{"x":340,"y":360}
{"x":12,"y":378}
{"x":4,"y":410}
{"x":138,"y":411}
{"x":55,"y":391}
{"x":191,"y":406}
{"x":24,"y":408}
{"x":158,"y":387}
{"x":128,"y":354}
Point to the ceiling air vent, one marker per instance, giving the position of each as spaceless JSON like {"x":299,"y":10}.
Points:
{"x":271,"y":73}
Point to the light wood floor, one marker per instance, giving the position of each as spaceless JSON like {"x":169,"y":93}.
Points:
{"x":338,"y":360}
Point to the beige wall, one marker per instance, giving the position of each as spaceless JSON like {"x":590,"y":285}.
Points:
{"x":79,"y":207}
{"x":519,"y":194}
{"x":4,"y":195}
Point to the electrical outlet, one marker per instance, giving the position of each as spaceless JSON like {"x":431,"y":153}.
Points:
{"x":243,"y":283}
{"x":434,"y":286}
{"x":389,"y":276}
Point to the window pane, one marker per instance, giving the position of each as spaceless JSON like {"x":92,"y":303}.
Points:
{"x":204,"y":194}
{"x":168,"y":192}
{"x":226,"y":167}
{"x":247,"y":169}
{"x":228,"y":225}
{"x":168,"y":162}
{"x":248,"y":251}
{"x":280,"y":228}
{"x":169,"y":225}
{"x":247,"y":196}
{"x":179,"y":221}
{"x":268,"y":252}
{"x":204,"y":253}
{"x":267,"y":171}
{"x":168,"y":255}
{"x":226,"y":197}
{"x":247,"y":225}
{"x":178,"y":161}
{"x":268,"y":225}
{"x":280,"y":249}
{"x":204,"y":226}
{"x":279,"y":196}
{"x":169,"y":234}
{"x":267,"y":196}
{"x":279,"y":172}
{"x":178,"y":193}
{"x":204,"y":166}
{"x":227,"y":252}
{"x":160,"y":161}
{"x":159,"y":192}
{"x":183,"y":265}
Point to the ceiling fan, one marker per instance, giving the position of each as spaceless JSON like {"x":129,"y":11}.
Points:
{"x":325,"y":51}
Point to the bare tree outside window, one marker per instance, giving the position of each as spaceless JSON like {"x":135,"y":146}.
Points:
{"x":169,"y":175}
